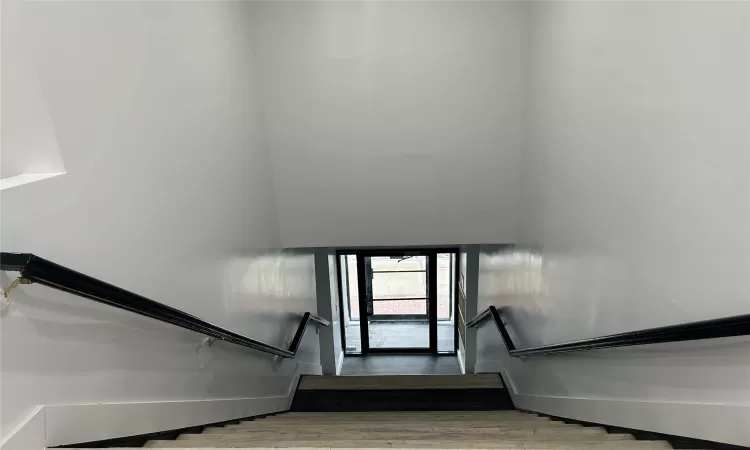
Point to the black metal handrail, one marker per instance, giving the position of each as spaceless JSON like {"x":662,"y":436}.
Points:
{"x":39,"y":270}
{"x":704,"y":329}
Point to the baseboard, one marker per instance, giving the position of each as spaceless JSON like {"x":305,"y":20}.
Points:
{"x":54,"y":425}
{"x":712,"y":422}
{"x":724,"y":423}
{"x":71,"y":424}
{"x":677,"y":442}
{"x":304,"y":369}
{"x":341,"y":363}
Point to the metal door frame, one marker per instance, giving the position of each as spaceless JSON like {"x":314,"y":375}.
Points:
{"x":431,"y":254}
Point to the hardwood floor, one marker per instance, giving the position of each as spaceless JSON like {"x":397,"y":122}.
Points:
{"x":400,"y":365}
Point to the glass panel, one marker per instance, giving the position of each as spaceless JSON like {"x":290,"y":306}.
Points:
{"x":350,"y":299}
{"x":351,"y":264}
{"x":446,"y":268}
{"x":344,"y":274}
{"x":399,"y":323}
{"x":399,"y":285}
{"x":399,"y":307}
{"x":398,"y":264}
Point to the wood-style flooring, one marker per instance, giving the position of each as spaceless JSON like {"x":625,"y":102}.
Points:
{"x":400,"y":365}
{"x":408,"y":430}
{"x":400,"y":335}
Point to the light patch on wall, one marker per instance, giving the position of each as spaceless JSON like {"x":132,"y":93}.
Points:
{"x":25,"y":178}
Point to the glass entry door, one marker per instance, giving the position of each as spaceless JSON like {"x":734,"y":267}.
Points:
{"x":397,"y":303}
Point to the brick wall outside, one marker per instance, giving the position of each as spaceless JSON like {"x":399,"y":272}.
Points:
{"x":400,"y":307}
{"x":402,"y":286}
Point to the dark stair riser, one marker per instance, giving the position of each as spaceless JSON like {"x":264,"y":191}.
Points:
{"x":402,"y":400}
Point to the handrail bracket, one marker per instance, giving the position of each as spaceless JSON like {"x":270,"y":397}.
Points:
{"x":18,"y":281}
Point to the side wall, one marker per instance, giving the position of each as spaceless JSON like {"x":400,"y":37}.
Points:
{"x":393,"y":123}
{"x":27,"y":137}
{"x":637,"y":206}
{"x":168,"y":193}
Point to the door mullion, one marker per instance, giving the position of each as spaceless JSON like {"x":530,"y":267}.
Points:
{"x":364,"y":331}
{"x":432,"y":300}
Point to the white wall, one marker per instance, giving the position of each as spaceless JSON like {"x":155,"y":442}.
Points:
{"x":637,"y":192}
{"x":168,"y":194}
{"x":27,"y":137}
{"x":177,"y":122}
{"x":393,"y":123}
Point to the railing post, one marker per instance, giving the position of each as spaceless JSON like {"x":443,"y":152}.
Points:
{"x":502,"y":329}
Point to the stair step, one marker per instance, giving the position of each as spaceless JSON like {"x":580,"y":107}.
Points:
{"x":390,"y":382}
{"x":418,"y":444}
{"x":405,"y":435}
{"x":402,"y":400}
{"x":468,"y":422}
{"x":422,"y":415}
{"x":401,"y":414}
{"x":451,"y":430}
{"x":394,"y":418}
{"x":465,"y":428}
{"x":512,"y":412}
{"x":568,"y":447}
{"x":364,"y":431}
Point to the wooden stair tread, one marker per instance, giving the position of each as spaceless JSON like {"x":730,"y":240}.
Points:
{"x":408,"y":419}
{"x":455,"y":440}
{"x":413,"y":417}
{"x":404,"y":416}
{"x":451,"y":430}
{"x":408,"y":435}
{"x":466,"y":428}
{"x":413,"y":431}
{"x":388,"y":413}
{"x":605,"y":445}
{"x":570,"y":447}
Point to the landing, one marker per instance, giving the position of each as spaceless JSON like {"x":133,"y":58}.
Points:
{"x":400,"y":365}
{"x":479,"y":381}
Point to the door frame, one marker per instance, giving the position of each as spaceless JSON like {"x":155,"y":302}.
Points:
{"x":431,"y":254}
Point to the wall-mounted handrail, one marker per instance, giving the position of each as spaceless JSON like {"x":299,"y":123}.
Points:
{"x":704,"y":329}
{"x":39,"y":270}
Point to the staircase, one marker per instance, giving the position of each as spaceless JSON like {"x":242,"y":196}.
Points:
{"x":449,"y":430}
{"x":409,"y":412}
